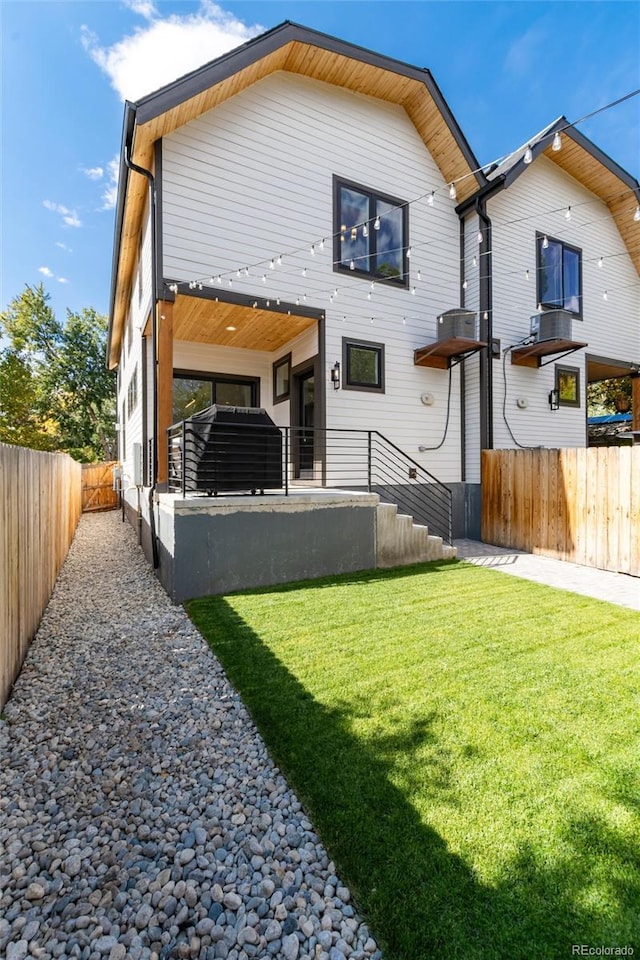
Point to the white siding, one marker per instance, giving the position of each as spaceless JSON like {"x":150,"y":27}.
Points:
{"x":253,"y":179}
{"x":611,"y":328}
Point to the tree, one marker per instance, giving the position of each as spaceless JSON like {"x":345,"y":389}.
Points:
{"x":609,"y":396}
{"x":60,"y":387}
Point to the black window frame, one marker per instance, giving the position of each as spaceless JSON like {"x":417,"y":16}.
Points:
{"x":565,"y":246}
{"x":561,"y":368}
{"x":281,"y":362}
{"x":373,"y":195}
{"x":348,"y":383}
{"x":213,"y":378}
{"x":132,"y":392}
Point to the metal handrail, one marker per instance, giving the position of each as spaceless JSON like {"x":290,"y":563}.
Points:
{"x":351,"y":458}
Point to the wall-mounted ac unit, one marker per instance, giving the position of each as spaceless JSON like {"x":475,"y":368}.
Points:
{"x":457,"y":323}
{"x":551,"y":325}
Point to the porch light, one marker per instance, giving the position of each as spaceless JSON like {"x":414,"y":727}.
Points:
{"x":335,"y":375}
{"x":554,"y":400}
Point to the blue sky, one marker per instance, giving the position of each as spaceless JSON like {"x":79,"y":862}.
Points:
{"x":506,"y":70}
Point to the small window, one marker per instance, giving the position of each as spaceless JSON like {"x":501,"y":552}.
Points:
{"x":193,"y":392}
{"x":282,"y":379}
{"x":132,"y":392}
{"x":568,"y":386}
{"x":363,"y":365}
{"x":559,"y":275}
{"x":371,"y":233}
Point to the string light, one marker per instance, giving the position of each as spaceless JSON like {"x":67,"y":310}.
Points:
{"x":376,"y":223}
{"x":238,"y":274}
{"x":419,"y":275}
{"x":464,"y":284}
{"x":528,"y":155}
{"x":272,"y":265}
{"x":413,"y":291}
{"x":280,"y":260}
{"x":557,"y":142}
{"x":312,"y":251}
{"x":322,"y":244}
{"x":453,"y":193}
{"x":636,"y":215}
{"x":600,"y":262}
{"x":354,"y":233}
{"x":264,"y":278}
{"x":408,"y":253}
{"x":431,"y":198}
{"x":567,"y":214}
{"x":219,"y":280}
{"x":545,"y":242}
{"x":475,"y":261}
{"x":352,"y":265}
{"x":605,"y":296}
{"x":365,"y":230}
{"x":304,"y":271}
{"x":479,"y":237}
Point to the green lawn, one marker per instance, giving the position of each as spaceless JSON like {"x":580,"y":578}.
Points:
{"x":467,"y":744}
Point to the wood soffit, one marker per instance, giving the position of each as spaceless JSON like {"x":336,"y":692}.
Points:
{"x":206,"y":321}
{"x":594,"y":175}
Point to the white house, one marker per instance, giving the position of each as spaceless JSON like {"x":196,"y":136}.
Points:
{"x":294,"y":222}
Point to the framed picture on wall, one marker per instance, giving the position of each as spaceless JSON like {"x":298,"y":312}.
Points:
{"x":568,"y":386}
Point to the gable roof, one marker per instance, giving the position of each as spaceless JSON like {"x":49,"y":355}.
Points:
{"x":587,"y":164}
{"x":292,"y":48}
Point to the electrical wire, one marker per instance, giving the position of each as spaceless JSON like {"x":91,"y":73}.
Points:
{"x":424,"y":449}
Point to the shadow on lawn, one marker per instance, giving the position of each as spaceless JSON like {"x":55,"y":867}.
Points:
{"x":420,"y":899}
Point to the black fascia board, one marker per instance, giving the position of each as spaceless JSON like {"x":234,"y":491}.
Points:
{"x":201,"y":79}
{"x":123,"y":183}
{"x":245,"y":300}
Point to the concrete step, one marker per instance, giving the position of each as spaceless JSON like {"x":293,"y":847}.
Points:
{"x":400,"y":541}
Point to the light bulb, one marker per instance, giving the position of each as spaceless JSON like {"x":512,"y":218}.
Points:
{"x":369,"y":295}
{"x":431,"y":198}
{"x":413,"y":291}
{"x":335,"y":292}
{"x":452,"y":191}
{"x":297,"y":301}
{"x":272,"y":265}
{"x":238,"y":274}
{"x":343,"y":230}
{"x":354,"y":233}
{"x":605,"y":295}
{"x":352,"y":265}
{"x":230,"y":282}
{"x":636,"y":215}
{"x":419,"y":275}
{"x":464,"y":284}
{"x":246,"y":271}
{"x":304,"y":271}
{"x":376,"y":223}
{"x":365,"y":230}
{"x":280,"y":261}
{"x":567,"y":214}
{"x":528,"y":155}
{"x":373,"y":284}
{"x":527,"y":275}
{"x":475,"y":261}
{"x":331,"y":298}
{"x":557,"y":142}
{"x":545,"y":242}
{"x":322,"y":244}
{"x":264,"y":278}
{"x":600,"y":262}
{"x":408,"y":253}
{"x":479,"y":236}
{"x":211,"y":280}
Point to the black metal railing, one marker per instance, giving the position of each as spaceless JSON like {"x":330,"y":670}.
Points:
{"x":249,"y":459}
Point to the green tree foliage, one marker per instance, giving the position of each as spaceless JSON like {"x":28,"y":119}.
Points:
{"x":609,"y":396}
{"x":55,"y":391}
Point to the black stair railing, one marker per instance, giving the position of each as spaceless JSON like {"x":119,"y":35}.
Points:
{"x":332,"y":457}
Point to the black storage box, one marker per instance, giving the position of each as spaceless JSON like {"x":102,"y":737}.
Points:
{"x":232,"y":448}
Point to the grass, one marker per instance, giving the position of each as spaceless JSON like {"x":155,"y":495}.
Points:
{"x":466,"y":744}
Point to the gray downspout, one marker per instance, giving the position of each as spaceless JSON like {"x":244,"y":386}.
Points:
{"x":154,"y":347}
{"x":463,"y":385}
{"x":486,"y":329}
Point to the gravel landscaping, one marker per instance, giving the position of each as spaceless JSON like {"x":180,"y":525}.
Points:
{"x":140,"y":813}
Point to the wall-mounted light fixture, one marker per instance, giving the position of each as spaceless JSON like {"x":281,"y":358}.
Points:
{"x":554,"y":400}
{"x":335,"y":375}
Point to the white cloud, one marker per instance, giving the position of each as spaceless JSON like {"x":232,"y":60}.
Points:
{"x":166,"y":47}
{"x":94,"y":173}
{"x":525,"y":52}
{"x":45,"y":271}
{"x":63,"y":280}
{"x":63,"y":246}
{"x":110,"y":194}
{"x":69,"y":217}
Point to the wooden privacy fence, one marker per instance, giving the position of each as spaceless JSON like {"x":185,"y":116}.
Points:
{"x":97,"y":487}
{"x":39,"y":511}
{"x":575,"y":504}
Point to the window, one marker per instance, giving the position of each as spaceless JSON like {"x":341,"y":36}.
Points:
{"x":363,"y":365}
{"x":193,"y":392}
{"x":371,"y":233}
{"x":568,"y":386}
{"x":559,"y":275}
{"x":282,"y":379}
{"x":132,"y":391}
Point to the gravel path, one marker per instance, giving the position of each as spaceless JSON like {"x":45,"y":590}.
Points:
{"x":140,"y":813}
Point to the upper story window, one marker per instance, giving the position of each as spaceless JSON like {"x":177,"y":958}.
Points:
{"x":559,"y":275}
{"x":371,"y":233}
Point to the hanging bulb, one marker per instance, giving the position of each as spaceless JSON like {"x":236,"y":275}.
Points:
{"x":376,"y":223}
{"x":322,"y":244}
{"x":464,"y":284}
{"x":343,"y":230}
{"x":419,"y":275}
{"x":278,"y":301}
{"x":246,"y":271}
{"x":408,"y":253}
{"x":475,"y":261}
{"x":527,"y":275}
{"x":335,"y":292}
{"x":238,"y":274}
{"x":304,"y":297}
{"x":352,"y":265}
{"x":331,"y":298}
{"x":297,"y":301}
{"x":479,"y":236}
{"x":545,"y":243}
{"x":304,"y":271}
{"x":373,"y":284}
{"x":636,"y":215}
{"x":431,"y":198}
{"x":369,"y":295}
{"x":365,"y":230}
{"x":557,"y":143}
{"x":230,"y":282}
{"x":567,"y":214}
{"x":312,"y":251}
{"x":600,"y":262}
{"x":268,"y":302}
{"x":354,"y":233}
{"x":413,"y":291}
{"x":272,"y":265}
{"x":264,"y":278}
{"x":211,"y":280}
{"x":280,"y":261}
{"x":605,"y":295}
{"x":528,"y":155}
{"x":452,"y":191}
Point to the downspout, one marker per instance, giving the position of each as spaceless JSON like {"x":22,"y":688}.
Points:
{"x":486,"y":328}
{"x":154,"y":346}
{"x":463,"y":385}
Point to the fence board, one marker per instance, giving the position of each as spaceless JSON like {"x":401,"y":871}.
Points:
{"x":40,"y":500}
{"x":577,"y":504}
{"x":97,"y":487}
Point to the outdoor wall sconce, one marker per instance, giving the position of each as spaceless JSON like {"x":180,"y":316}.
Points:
{"x":554,"y":400}
{"x":335,"y":375}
